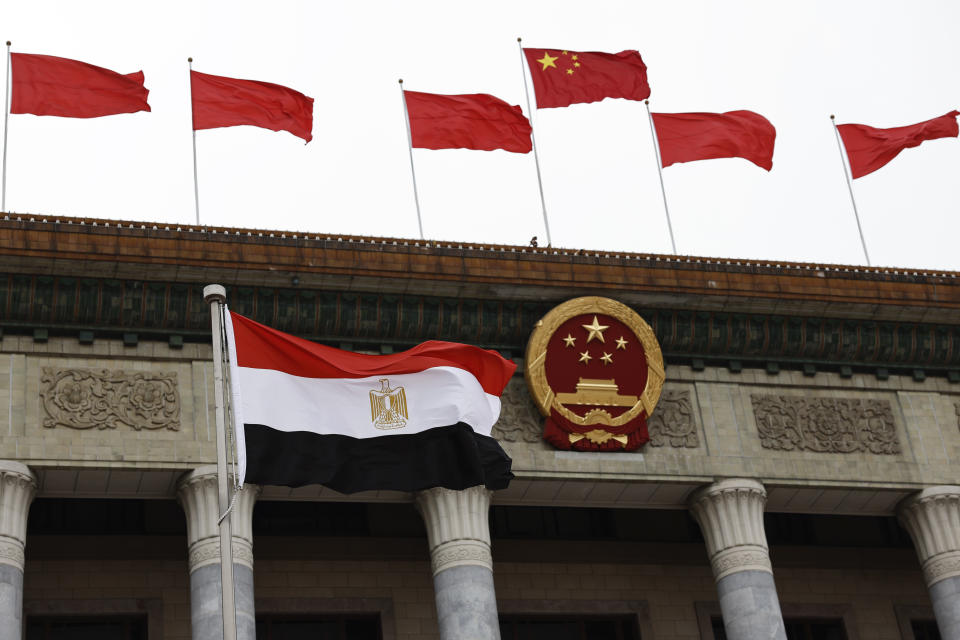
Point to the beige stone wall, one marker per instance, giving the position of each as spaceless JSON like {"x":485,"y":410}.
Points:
{"x":722,"y":438}
{"x":864,"y":596}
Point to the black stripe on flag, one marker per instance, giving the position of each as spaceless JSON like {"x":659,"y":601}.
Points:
{"x":454,"y":457}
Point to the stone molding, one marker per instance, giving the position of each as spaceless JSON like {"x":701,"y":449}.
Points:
{"x":825,"y":425}
{"x":520,"y":420}
{"x":104,"y":399}
{"x":458,"y":526}
{"x":198,"y":495}
{"x":18,"y":486}
{"x":932,"y":517}
{"x":730,"y":514}
{"x":672,"y":423}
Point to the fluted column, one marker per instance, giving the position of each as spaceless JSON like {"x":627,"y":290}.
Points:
{"x":932,"y":517}
{"x":730,"y":514}
{"x":197,"y":493}
{"x":458,"y":532}
{"x":18,"y":485}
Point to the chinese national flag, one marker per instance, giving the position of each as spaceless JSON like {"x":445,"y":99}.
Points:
{"x":52,"y":86}
{"x":685,"y":137}
{"x":561,"y":78}
{"x":471,"y":121}
{"x":868,"y":148}
{"x":229,"y":102}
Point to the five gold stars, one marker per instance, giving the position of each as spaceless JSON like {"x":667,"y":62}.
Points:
{"x":596,"y":330}
{"x":585,"y":357}
{"x":547,"y":61}
{"x":570,"y":340}
{"x":621,"y":343}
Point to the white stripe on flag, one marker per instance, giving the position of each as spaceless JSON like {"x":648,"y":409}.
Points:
{"x":436,"y":397}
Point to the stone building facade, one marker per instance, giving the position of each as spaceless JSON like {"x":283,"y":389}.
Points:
{"x":801,"y":480}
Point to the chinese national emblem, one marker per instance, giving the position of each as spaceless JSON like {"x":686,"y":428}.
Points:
{"x":595,"y":370}
{"x":388,"y":407}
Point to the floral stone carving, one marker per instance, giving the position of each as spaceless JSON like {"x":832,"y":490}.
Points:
{"x":104,"y":399}
{"x":520,"y":420}
{"x":672,"y":421}
{"x":828,"y":425}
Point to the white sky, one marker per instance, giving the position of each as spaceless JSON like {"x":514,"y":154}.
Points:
{"x":879,"y":63}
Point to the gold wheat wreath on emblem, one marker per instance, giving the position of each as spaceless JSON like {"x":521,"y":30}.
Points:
{"x":536,"y":358}
{"x":388,"y":407}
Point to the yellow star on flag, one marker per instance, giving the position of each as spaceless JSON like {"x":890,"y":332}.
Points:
{"x":547,"y":61}
{"x":570,"y":340}
{"x":596,"y":330}
{"x":569,"y":72}
{"x":585,"y":357}
{"x":607,"y":358}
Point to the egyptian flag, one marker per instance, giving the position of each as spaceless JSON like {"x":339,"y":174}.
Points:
{"x":305,"y":413}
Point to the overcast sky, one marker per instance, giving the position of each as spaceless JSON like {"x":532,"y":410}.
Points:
{"x":879,"y":63}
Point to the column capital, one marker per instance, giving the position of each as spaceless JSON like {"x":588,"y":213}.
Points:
{"x":458,"y":526}
{"x":932,"y":517}
{"x":730,"y":514}
{"x":197,"y":493}
{"x":18,"y":486}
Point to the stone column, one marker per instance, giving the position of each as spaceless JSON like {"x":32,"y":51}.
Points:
{"x":458,"y":531}
{"x":730,"y":514}
{"x":18,"y":485}
{"x":932,"y":517}
{"x":197,"y":494}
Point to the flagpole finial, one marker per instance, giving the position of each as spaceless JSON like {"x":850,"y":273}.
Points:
{"x":519,"y":39}
{"x":189,"y":59}
{"x":832,"y":116}
{"x":213,"y":292}
{"x":646,"y":102}
{"x":401,"y":80}
{"x":8,"y":43}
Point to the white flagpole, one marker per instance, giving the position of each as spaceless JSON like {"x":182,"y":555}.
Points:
{"x":406,"y":119}
{"x":844,"y":160}
{"x":533,"y":140}
{"x":196,"y":189}
{"x":6,"y":125}
{"x":215,"y":295}
{"x":656,"y":154}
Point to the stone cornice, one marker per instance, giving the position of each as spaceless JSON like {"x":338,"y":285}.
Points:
{"x":238,"y":256}
{"x":68,"y":304}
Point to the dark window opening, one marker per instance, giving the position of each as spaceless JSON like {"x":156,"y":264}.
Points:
{"x":86,"y":628}
{"x":96,"y":516}
{"x":925,"y":630}
{"x":319,"y":627}
{"x":797,"y":629}
{"x":548,"y":627}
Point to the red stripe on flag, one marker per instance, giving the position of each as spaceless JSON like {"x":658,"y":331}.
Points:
{"x":260,"y":347}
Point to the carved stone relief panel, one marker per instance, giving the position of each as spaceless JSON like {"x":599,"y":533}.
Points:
{"x":672,"y":423}
{"x":520,"y":421}
{"x":827,"y":425}
{"x":105,"y":399}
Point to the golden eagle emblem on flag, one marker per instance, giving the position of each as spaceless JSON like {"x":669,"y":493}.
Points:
{"x":388,"y":407}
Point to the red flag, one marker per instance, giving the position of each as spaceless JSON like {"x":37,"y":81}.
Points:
{"x":229,"y":102}
{"x":561,"y":78}
{"x":52,"y":86}
{"x":472,"y":121}
{"x":868,"y":148}
{"x":685,"y":137}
